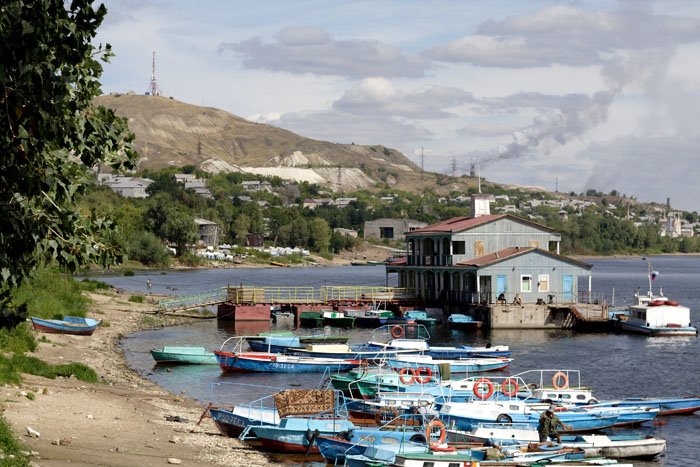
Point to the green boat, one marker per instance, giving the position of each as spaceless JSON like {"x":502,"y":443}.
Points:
{"x":188,"y":355}
{"x":421,"y":317}
{"x":337,"y":319}
{"x":311,"y":319}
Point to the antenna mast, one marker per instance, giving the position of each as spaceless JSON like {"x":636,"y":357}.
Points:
{"x":153,"y":89}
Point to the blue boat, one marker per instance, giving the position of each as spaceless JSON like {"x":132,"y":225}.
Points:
{"x":344,"y":351}
{"x":254,"y":362}
{"x":298,"y":435}
{"x":466,"y":415}
{"x":75,"y":325}
{"x":335,"y":448}
{"x":463,"y":322}
{"x":460,"y":351}
{"x":273,"y":344}
{"x":457,"y":366}
{"x":666,"y":406}
{"x":232,"y":422}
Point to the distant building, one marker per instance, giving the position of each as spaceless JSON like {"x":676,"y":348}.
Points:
{"x":254,"y":240}
{"x":191,"y":182}
{"x":207,"y":232}
{"x":128,"y":187}
{"x":347,"y":232}
{"x":313,"y":203}
{"x":392,"y":229}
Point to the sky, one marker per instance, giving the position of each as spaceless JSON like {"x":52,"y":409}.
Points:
{"x":567,"y":96}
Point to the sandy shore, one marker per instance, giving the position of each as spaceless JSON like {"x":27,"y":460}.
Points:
{"x":120,"y":421}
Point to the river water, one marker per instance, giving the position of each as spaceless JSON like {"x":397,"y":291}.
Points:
{"x":615,"y":365}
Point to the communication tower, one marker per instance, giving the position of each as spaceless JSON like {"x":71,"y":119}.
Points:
{"x":153,"y":88}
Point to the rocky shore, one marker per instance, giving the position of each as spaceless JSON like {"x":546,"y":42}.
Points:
{"x":124,"y":420}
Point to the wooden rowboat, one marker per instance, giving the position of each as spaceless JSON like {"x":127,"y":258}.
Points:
{"x":189,"y":355}
{"x":68,"y":325}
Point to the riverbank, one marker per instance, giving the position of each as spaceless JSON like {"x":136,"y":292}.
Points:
{"x":123,"y":420}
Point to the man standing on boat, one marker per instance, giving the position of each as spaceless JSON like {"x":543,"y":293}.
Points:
{"x":547,"y":427}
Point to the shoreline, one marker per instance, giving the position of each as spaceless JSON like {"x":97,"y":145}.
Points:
{"x":124,"y":419}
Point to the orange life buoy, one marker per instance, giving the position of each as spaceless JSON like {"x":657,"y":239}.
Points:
{"x":513,"y":384}
{"x":411,"y":373}
{"x":560,"y":380}
{"x":489,"y":388}
{"x":397,"y":332}
{"x":423,"y":379}
{"x":435,"y":423}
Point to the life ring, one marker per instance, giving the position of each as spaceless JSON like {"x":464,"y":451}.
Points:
{"x":489,"y":388}
{"x":435,"y":423}
{"x":423,"y":379}
{"x":273,"y":358}
{"x":397,"y":332}
{"x":560,"y":380}
{"x":513,"y":384}
{"x":411,"y":373}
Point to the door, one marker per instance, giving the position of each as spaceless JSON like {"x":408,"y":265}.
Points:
{"x":567,"y":290}
{"x":500,"y":285}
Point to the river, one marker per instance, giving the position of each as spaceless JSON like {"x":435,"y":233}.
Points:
{"x":615,"y":365}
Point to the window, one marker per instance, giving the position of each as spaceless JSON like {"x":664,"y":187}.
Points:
{"x":543,"y":283}
{"x":386,"y":232}
{"x":526,"y":283}
{"x":459,"y":248}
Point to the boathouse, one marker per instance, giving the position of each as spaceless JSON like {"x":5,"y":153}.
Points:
{"x":500,"y":268}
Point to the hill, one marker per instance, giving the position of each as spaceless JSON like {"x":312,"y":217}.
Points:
{"x":173,"y":133}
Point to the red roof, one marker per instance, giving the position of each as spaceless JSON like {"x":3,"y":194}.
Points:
{"x":458,"y":224}
{"x":495,"y":257}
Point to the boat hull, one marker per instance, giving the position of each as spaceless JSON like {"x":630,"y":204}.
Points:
{"x":270,"y":363}
{"x":68,"y":325}
{"x":657,"y":330}
{"x":184,"y":355}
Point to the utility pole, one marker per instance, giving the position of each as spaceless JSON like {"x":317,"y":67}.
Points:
{"x":421,"y":162}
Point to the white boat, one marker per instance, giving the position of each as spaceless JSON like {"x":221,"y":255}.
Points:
{"x":655,"y":315}
{"x":617,"y":446}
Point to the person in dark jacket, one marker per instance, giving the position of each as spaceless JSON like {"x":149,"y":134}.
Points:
{"x":548,"y":424}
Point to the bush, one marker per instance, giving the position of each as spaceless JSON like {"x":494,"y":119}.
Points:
{"x":91,"y":285}
{"x":190,"y":259}
{"x":136,"y":298}
{"x":11,"y":369}
{"x":17,"y":340}
{"x":146,"y":248}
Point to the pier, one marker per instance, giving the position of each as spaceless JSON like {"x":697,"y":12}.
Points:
{"x":255,"y":303}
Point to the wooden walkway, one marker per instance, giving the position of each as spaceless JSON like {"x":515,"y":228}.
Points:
{"x":326,"y":295}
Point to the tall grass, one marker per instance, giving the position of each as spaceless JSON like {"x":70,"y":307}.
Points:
{"x":50,"y":294}
{"x":10,"y":446}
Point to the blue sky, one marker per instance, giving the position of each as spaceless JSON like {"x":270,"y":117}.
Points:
{"x":574,"y":95}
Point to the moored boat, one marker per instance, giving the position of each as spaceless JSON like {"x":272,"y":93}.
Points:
{"x":184,"y":354}
{"x":464,"y":322}
{"x":337,"y":319}
{"x":75,"y":325}
{"x":246,"y":362}
{"x":421,"y":317}
{"x":457,"y":366}
{"x":311,"y":319}
{"x":655,"y":315}
{"x":298,"y":435}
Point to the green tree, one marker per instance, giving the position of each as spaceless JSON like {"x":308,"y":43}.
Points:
{"x":319,"y":235}
{"x":180,"y":229}
{"x":52,"y":135}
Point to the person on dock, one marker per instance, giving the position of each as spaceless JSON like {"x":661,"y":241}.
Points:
{"x":547,"y":427}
